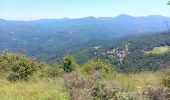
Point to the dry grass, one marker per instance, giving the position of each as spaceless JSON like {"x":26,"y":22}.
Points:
{"x":138,"y":82}
{"x":52,"y":89}
{"x":39,"y":90}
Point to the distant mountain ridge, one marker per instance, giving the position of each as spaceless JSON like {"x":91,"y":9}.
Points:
{"x":44,"y":34}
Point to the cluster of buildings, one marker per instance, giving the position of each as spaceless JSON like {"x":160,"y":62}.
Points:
{"x":121,"y":54}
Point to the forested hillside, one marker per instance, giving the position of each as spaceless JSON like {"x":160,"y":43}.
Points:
{"x":36,"y":36}
{"x":139,"y":56}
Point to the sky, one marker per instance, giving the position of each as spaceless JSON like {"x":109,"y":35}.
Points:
{"x":52,"y":9}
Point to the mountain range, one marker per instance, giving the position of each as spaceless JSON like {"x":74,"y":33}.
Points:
{"x":40,"y":35}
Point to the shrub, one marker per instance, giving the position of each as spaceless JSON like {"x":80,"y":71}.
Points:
{"x":103,"y":92}
{"x":106,"y":91}
{"x":99,"y":66}
{"x":166,"y":79}
{"x":55,"y":70}
{"x":166,"y":82}
{"x":80,"y":94}
{"x":75,"y":80}
{"x":168,"y":2}
{"x":91,"y":87}
{"x":69,"y":64}
{"x":18,"y":66}
{"x":155,"y":93}
{"x":79,"y":85}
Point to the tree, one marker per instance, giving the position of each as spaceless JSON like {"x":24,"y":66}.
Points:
{"x":168,"y":2}
{"x":98,"y":66}
{"x":69,"y":64}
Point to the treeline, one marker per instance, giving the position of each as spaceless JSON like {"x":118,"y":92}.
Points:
{"x":137,"y":60}
{"x":19,"y":67}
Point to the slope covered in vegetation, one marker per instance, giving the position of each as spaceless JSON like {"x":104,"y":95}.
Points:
{"x":68,"y":80}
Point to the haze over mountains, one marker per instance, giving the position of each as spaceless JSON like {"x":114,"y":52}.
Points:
{"x":57,"y":33}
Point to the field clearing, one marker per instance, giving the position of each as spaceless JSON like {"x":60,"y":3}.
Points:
{"x":159,"y":50}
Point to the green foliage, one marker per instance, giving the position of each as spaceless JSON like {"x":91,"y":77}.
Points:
{"x":106,"y":91}
{"x":148,"y":42}
{"x":137,"y":61}
{"x":168,"y":2}
{"x":69,"y":64}
{"x":82,"y":55}
{"x":137,"y":58}
{"x":75,"y":84}
{"x":148,"y":52}
{"x":18,"y":66}
{"x":55,"y":70}
{"x":98,"y":66}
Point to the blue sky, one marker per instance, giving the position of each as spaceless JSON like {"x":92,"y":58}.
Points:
{"x":50,"y":9}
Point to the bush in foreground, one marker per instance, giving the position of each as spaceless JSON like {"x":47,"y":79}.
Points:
{"x":69,"y":64}
{"x":55,"y":70}
{"x":155,"y":93}
{"x":17,"y":66}
{"x":98,"y":66}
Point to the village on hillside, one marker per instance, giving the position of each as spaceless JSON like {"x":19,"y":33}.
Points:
{"x":119,"y":53}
